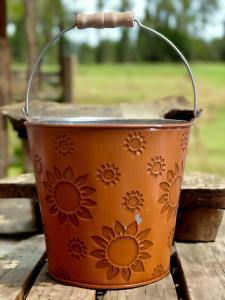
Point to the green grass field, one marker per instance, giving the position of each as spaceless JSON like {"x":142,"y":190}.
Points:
{"x":107,"y":84}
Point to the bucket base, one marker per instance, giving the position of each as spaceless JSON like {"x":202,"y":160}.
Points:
{"x":105,"y":286}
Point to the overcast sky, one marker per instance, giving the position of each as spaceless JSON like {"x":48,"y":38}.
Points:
{"x":215,"y":27}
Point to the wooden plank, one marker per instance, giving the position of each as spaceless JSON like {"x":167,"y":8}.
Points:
{"x":203,"y":268}
{"x":198,"y":223}
{"x":53,"y":109}
{"x":22,"y":186}
{"x":7,"y":245}
{"x":199,"y":189}
{"x":163,"y":289}
{"x":198,"y":217}
{"x":147,"y":109}
{"x":19,"y":267}
{"x":45,"y":288}
{"x":68,"y":78}
{"x":17,"y":217}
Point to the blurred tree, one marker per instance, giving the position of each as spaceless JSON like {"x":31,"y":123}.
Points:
{"x":5,"y":56}
{"x":31,"y":38}
{"x":4,"y":86}
{"x":87,"y":54}
{"x":205,"y":8}
{"x":163,"y":12}
{"x":124,"y":47}
{"x":221,"y":45}
{"x":59,"y":13}
{"x":177,"y":21}
{"x":15,"y":14}
{"x":180,"y":20}
{"x":100,"y":47}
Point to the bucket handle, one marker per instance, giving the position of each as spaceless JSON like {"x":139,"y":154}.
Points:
{"x":106,"y":20}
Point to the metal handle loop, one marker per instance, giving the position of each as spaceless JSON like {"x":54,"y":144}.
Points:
{"x":162,"y":37}
{"x":55,"y":39}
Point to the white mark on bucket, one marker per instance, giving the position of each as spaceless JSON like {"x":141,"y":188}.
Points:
{"x":137,"y":218}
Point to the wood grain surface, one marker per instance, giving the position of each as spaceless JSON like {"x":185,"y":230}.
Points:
{"x":160,"y":290}
{"x":17,"y":268}
{"x":45,"y":288}
{"x":203,"y":268}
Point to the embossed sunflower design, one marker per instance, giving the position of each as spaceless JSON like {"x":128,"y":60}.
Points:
{"x":69,"y":196}
{"x":64,"y":145}
{"x":77,"y":248}
{"x":108,"y":174}
{"x":121,"y":250}
{"x":133,"y":201}
{"x":184,"y":141}
{"x":135,"y":143}
{"x":171,"y":189}
{"x":158,"y":270}
{"x":170,"y":238}
{"x":63,"y":273}
{"x":38,"y":166}
{"x":157,"y":166}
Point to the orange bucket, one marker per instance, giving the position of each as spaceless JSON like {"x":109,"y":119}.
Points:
{"x":108,"y":191}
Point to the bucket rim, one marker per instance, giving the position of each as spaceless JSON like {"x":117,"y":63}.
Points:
{"x":92,"y":122}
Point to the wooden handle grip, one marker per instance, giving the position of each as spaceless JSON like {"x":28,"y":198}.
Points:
{"x":105,"y":20}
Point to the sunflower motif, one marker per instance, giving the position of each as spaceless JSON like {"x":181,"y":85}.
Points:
{"x":68,"y":196}
{"x":171,"y":194}
{"x":156,"y":166}
{"x":77,"y":248}
{"x":135,"y":143}
{"x":108,"y":174}
{"x":38,"y":166}
{"x":184,"y":141}
{"x":121,"y":250}
{"x":64,"y":145}
{"x":62,"y":273}
{"x":133,"y":201}
{"x":170,"y":238}
{"x":158,"y":270}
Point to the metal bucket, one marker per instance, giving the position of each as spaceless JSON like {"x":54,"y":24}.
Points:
{"x":109,"y":192}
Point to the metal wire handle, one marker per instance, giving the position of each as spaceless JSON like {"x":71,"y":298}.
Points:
{"x":55,"y":39}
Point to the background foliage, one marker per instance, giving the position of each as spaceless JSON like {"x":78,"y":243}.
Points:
{"x":180,"y":20}
{"x":133,"y":67}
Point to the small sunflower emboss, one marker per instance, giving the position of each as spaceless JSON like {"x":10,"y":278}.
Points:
{"x":109,"y":174}
{"x":64,"y":145}
{"x":157,"y":166}
{"x":135,"y":143}
{"x":133,"y":201}
{"x":77,"y":248}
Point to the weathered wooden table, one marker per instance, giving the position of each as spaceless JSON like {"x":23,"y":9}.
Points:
{"x":197,"y":268}
{"x":197,"y":272}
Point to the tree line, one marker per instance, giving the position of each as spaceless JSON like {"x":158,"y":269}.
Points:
{"x":179,"y":20}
